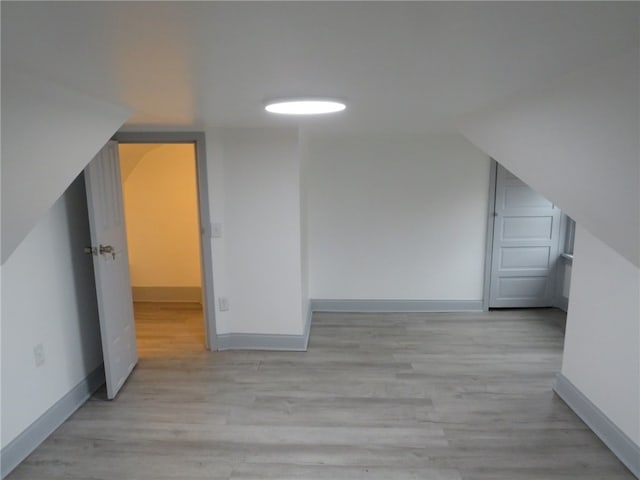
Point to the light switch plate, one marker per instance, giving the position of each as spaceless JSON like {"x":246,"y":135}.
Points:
{"x":223,"y":304}
{"x":38,"y":354}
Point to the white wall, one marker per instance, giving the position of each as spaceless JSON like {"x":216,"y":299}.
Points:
{"x":397,"y":217}
{"x":38,"y":160}
{"x":576,"y":142}
{"x":602,"y":344}
{"x":131,"y":154}
{"x":48,"y":297}
{"x":303,"y":155}
{"x":161,"y":208}
{"x":254,"y":177}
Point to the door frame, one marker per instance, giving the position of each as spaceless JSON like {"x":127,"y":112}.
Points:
{"x":491,"y":219}
{"x":488,"y":257}
{"x":204,"y":216}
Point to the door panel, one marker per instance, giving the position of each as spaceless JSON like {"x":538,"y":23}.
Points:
{"x":524,"y":257}
{"x":522,"y":288}
{"x":111,"y":266}
{"x":525,"y":245}
{"x":523,"y":227}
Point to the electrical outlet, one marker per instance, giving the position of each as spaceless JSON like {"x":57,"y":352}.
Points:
{"x":223,"y":304}
{"x":38,"y":354}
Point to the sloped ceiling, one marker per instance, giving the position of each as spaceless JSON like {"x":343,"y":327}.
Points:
{"x":49,"y":134}
{"x":577,"y":141}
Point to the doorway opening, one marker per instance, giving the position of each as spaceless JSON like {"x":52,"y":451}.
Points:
{"x":162,"y":216}
{"x":529,"y":247}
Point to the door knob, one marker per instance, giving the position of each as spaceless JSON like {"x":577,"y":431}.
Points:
{"x":105,"y":249}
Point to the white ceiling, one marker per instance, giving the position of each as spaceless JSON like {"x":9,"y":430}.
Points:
{"x":415,"y":66}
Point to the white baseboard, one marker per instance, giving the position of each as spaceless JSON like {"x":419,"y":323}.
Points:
{"x":393,"y":306}
{"x":259,"y":341}
{"x":299,"y":343}
{"x":618,"y":442}
{"x":36,"y":433}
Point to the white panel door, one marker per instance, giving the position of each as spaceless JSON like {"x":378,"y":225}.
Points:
{"x":525,"y":245}
{"x":111,"y":266}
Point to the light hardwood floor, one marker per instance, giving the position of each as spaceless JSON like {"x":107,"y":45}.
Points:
{"x":394,"y":396}
{"x":166,"y":330}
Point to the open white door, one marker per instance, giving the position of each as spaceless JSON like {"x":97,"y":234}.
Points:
{"x":111,"y":266}
{"x":525,"y":245}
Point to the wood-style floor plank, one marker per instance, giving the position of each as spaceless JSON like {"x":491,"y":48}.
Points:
{"x":377,"y":396}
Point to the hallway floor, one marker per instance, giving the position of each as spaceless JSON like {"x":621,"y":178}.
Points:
{"x":380,"y":397}
{"x":168,"y":329}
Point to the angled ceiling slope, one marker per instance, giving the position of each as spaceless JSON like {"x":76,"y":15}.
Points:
{"x":49,"y":134}
{"x":577,"y":141}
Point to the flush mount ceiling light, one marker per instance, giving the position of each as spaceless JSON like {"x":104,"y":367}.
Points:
{"x":304,"y":106}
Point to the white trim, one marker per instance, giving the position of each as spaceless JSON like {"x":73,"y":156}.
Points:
{"x":491,"y":219}
{"x":562,"y":303}
{"x":307,"y":326}
{"x":36,"y":433}
{"x":300,"y":343}
{"x":391,"y":306}
{"x":618,"y":442}
{"x":260,"y":341}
